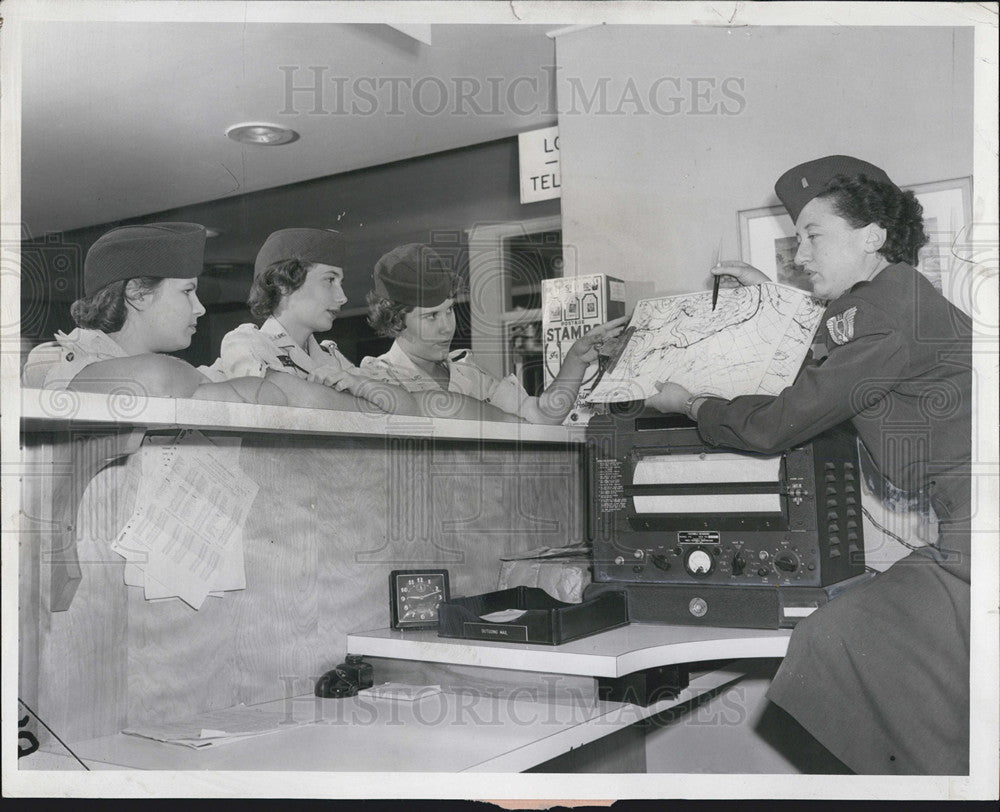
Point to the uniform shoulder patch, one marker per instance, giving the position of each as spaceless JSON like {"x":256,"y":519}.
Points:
{"x":841,"y":326}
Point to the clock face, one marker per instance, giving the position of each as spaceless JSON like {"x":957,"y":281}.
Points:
{"x":416,"y":596}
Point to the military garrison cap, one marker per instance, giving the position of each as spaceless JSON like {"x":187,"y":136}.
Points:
{"x":162,"y":250}
{"x":413,"y":274}
{"x":802,"y":183}
{"x":320,"y":245}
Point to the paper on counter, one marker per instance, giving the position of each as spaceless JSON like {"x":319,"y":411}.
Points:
{"x":399,"y":691}
{"x":217,"y":727}
{"x":503,"y":615}
{"x":562,"y":572}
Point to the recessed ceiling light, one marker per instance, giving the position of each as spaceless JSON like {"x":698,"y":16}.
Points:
{"x":265,"y":135}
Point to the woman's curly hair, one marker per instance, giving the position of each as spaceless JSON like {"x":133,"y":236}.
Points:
{"x":107,"y":309}
{"x":277,"y":280}
{"x":388,"y":318}
{"x":861,"y":201}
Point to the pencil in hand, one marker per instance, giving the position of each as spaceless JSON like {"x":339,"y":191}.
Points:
{"x":715,"y":283}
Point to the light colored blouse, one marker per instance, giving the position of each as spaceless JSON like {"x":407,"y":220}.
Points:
{"x":465,"y":378}
{"x":251,"y":351}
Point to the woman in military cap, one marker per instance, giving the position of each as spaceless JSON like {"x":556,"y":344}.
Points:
{"x":297,"y":292}
{"x":140,"y":302}
{"x":880,"y":675}
{"x":413,"y":302}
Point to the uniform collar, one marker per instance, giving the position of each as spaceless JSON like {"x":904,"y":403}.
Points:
{"x":274,"y":330}
{"x":91,"y":342}
{"x":880,"y":275}
{"x":397,"y":356}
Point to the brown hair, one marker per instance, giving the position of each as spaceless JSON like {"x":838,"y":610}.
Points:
{"x":107,"y":309}
{"x":276,"y":281}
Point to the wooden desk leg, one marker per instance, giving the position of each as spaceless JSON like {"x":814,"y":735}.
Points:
{"x":74,"y":463}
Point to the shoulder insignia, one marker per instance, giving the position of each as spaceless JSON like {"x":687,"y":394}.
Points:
{"x":841,"y":327}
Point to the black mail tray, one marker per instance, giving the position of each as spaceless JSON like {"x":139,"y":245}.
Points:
{"x":545,"y":619}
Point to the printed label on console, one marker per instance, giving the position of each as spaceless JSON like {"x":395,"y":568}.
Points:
{"x":610,"y":491}
{"x":698,"y":537}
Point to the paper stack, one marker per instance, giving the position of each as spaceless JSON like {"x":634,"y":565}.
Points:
{"x":185,"y":536}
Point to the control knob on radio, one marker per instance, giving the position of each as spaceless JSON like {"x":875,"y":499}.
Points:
{"x":739,"y":564}
{"x":699,"y":562}
{"x":786,"y":562}
{"x":660,"y":562}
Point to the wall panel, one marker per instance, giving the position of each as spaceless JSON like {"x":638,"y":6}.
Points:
{"x":666,"y":132}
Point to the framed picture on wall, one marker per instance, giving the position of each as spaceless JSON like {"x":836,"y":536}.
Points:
{"x":767,"y":236}
{"x":947,"y":208}
{"x":767,"y":241}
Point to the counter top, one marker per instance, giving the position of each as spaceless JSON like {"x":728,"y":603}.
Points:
{"x":613,"y":653}
{"x":50,"y":410}
{"x":439,"y":733}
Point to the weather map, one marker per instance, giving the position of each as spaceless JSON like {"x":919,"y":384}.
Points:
{"x":753,"y":343}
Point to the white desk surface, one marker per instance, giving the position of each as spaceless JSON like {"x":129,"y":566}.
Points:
{"x":613,"y":653}
{"x":459,"y":732}
{"x":48,"y":410}
{"x":439,"y":733}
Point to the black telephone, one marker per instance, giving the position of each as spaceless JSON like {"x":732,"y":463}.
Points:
{"x":346,"y":679}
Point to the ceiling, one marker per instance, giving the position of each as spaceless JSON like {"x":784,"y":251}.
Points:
{"x":125,"y":119}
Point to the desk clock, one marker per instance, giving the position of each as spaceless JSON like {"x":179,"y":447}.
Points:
{"x":415,"y":596}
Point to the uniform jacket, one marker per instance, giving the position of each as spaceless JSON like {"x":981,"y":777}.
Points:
{"x":880,"y":675}
{"x":897,"y":365}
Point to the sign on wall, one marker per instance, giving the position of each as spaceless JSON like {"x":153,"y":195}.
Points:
{"x":538,"y":158}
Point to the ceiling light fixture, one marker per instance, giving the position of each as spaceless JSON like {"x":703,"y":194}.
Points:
{"x":265,"y":135}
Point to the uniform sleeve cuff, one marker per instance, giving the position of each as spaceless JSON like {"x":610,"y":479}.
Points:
{"x":708,"y":414}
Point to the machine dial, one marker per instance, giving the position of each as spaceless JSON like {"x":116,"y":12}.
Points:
{"x":786,"y":562}
{"x":699,"y":562}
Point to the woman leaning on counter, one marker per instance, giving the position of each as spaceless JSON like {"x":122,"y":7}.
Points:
{"x":297,"y":292}
{"x":880,"y":675}
{"x":140,"y":303}
{"x":414,"y":303}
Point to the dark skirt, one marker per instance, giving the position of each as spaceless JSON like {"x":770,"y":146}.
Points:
{"x":880,"y":675}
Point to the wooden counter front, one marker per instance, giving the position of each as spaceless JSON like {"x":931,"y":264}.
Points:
{"x":343,"y":500}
